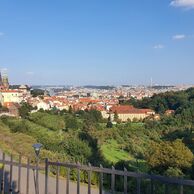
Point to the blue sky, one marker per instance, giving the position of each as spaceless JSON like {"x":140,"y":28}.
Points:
{"x":97,"y":41}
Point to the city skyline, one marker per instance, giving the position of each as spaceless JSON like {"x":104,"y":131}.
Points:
{"x":98,"y":42}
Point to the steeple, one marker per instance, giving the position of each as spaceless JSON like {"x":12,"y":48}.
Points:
{"x":5,"y":81}
{"x":1,"y":81}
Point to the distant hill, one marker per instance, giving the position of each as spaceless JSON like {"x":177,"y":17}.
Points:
{"x":99,"y":87}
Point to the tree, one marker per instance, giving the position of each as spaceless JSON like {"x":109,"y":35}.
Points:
{"x":70,"y":110}
{"x":77,"y":149}
{"x":109,"y":123}
{"x":25,"y":109}
{"x":174,"y":154}
{"x":37,"y":92}
{"x":116,"y":117}
{"x":71,"y":123}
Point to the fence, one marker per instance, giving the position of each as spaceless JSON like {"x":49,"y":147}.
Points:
{"x":22,"y":169}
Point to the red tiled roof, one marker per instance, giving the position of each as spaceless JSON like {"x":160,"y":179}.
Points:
{"x":10,"y":91}
{"x":128,"y":109}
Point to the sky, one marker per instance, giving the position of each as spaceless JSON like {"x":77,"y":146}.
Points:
{"x":97,"y":42}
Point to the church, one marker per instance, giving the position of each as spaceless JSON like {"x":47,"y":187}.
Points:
{"x":4,"y":82}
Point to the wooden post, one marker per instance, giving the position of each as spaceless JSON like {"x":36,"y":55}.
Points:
{"x":46,"y":175}
{"x":28,"y":175}
{"x":101,"y":181}
{"x":67,"y":183}
{"x":19,"y":174}
{"x":113,"y":180}
{"x":125,"y":182}
{"x":89,"y":180}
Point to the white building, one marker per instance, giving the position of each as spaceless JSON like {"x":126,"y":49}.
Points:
{"x":14,"y":96}
{"x":43,"y":105}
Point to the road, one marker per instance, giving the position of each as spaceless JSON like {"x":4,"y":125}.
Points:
{"x":51,"y":183}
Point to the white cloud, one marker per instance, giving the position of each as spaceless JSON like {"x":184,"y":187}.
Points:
{"x":30,"y":73}
{"x":159,"y":46}
{"x":1,"y":33}
{"x":178,"y":37}
{"x":4,"y":69}
{"x":183,"y":3}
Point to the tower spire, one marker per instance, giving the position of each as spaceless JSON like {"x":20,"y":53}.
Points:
{"x":1,"y":81}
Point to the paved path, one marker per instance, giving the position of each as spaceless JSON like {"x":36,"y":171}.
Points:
{"x":51,"y":183}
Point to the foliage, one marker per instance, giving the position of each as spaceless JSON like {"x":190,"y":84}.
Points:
{"x":71,"y":122}
{"x":25,"y":109}
{"x":173,"y":172}
{"x":53,"y":122}
{"x":109,"y":123}
{"x":77,"y":149}
{"x":37,"y":92}
{"x":174,"y":154}
{"x":164,"y":146}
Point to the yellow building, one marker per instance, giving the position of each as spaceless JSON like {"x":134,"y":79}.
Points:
{"x":7,"y":96}
{"x":127,"y":112}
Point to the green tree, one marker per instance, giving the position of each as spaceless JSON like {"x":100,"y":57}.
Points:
{"x":37,"y":92}
{"x":71,"y":122}
{"x":116,"y":117}
{"x":109,"y":123}
{"x":163,"y":155}
{"x":25,"y":109}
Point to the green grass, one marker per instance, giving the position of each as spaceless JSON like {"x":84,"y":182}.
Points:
{"x":137,"y":124}
{"x":113,"y":153}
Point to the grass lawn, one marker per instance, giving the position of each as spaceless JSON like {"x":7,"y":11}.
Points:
{"x":113,"y":153}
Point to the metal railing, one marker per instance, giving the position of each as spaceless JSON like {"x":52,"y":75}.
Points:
{"x":113,"y":174}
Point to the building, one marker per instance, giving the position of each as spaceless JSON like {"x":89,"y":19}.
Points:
{"x":128,"y":112}
{"x":4,"y":82}
{"x":7,"y":96}
{"x":13,"y":109}
{"x":24,"y":89}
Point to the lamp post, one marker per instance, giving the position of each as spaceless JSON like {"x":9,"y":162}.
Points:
{"x":37,"y":147}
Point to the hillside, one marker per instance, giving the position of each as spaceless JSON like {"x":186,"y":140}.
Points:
{"x":83,"y":136}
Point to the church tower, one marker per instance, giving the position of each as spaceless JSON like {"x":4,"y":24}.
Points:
{"x":1,"y":81}
{"x":5,"y":81}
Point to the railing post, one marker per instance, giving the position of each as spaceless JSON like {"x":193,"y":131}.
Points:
{"x":57,"y":178}
{"x":101,"y":180}
{"x":78,"y":179}
{"x":3,"y":175}
{"x":113,"y":180}
{"x":166,"y":188}
{"x":89,"y":179}
{"x":28,"y":175}
{"x":46,"y":175}
{"x":138,"y":185}
{"x":11,"y":174}
{"x":67,"y":183}
{"x":19,"y":174}
{"x":152,"y":186}
{"x":181,"y":189}
{"x":125,"y":181}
